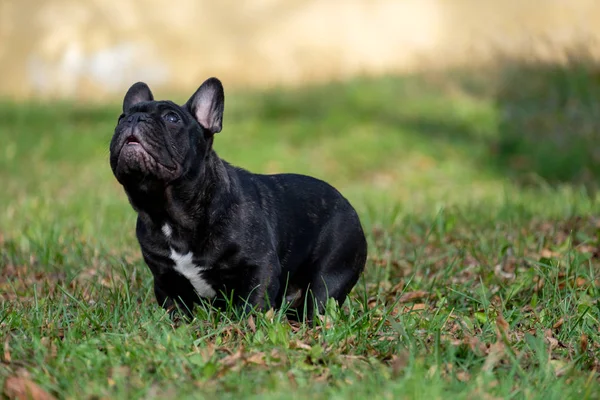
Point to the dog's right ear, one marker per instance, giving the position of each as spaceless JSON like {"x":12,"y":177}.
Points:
{"x":206,"y":105}
{"x":139,"y":92}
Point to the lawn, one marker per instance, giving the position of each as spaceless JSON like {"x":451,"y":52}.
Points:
{"x":484,"y":258}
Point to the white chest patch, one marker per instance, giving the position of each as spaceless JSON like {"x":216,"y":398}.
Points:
{"x":186,"y":267}
{"x":184,"y":264}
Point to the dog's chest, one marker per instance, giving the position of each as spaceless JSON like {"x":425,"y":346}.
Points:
{"x":185,"y":266}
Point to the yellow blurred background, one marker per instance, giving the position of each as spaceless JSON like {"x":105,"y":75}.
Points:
{"x":95,"y":49}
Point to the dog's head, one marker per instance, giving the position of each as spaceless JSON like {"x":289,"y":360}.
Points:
{"x":157,"y":142}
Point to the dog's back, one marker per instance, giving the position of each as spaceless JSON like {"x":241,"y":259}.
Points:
{"x":316,"y":231}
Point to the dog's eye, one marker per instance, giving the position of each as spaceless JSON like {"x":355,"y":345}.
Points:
{"x":171,"y":117}
{"x":120,"y":118}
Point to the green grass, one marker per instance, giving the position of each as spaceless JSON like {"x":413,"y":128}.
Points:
{"x":477,"y":286}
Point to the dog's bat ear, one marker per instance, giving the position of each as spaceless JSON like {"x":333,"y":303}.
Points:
{"x":207,"y":104}
{"x":137,"y":93}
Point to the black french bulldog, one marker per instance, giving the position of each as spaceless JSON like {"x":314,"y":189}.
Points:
{"x":207,"y":229}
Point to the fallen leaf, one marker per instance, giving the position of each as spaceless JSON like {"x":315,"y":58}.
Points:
{"x":277,"y":356}
{"x":502,"y":326}
{"x":560,"y":367}
{"x":463,"y":376}
{"x":476,"y":346}
{"x":583,"y":343}
{"x":257,"y":358}
{"x":551,"y":340}
{"x":252,"y":324}
{"x":232,"y":359}
{"x":558,"y":323}
{"x":397,"y":288}
{"x":297,"y":344}
{"x":325,"y":321}
{"x":580,"y":281}
{"x":292,"y":379}
{"x":323,"y":377}
{"x":418,"y":307}
{"x":539,"y":283}
{"x":7,"y":357}
{"x":270,"y":315}
{"x":499,"y":271}
{"x":50,"y":345}
{"x":586,"y":248}
{"x":495,"y":354}
{"x":432,"y":371}
{"x":399,"y":362}
{"x":412,"y":296}
{"x":547,"y":253}
{"x":24,"y":389}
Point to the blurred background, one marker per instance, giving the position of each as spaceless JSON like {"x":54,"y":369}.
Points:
{"x":410,"y":103}
{"x":96,"y":48}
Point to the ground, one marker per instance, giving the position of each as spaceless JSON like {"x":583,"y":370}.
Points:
{"x":483,"y":270}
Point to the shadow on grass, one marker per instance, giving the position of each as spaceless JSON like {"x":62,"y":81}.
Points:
{"x":549,"y":125}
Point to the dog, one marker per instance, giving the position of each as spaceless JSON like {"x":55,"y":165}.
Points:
{"x":211,"y":231}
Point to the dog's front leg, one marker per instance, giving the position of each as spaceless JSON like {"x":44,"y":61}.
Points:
{"x":173,"y":306}
{"x":263,"y":291}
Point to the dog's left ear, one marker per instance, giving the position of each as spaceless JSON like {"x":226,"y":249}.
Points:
{"x":138,"y":92}
{"x":207,"y":104}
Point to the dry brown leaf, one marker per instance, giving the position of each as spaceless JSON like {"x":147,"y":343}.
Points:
{"x":463,"y":376}
{"x":51,"y":346}
{"x":431,"y":371}
{"x":539,"y":284}
{"x":277,"y":356}
{"x":476,"y":345}
{"x":580,"y":281}
{"x":586,"y":248}
{"x":560,"y":367}
{"x":297,"y":344}
{"x":399,"y":362}
{"x":495,"y":354}
{"x":387,"y":338}
{"x":7,"y":357}
{"x":257,"y":358}
{"x":551,"y":340}
{"x":323,"y":377}
{"x":232,"y":359}
{"x":270,"y":315}
{"x":24,"y":389}
{"x":326,"y":321}
{"x":208,"y":351}
{"x":500,"y":272}
{"x":121,"y":370}
{"x":296,"y":326}
{"x":412,"y":296}
{"x":502,"y":326}
{"x":292,"y":379}
{"x":547,"y":253}
{"x":583,"y":343}
{"x":252,"y":324}
{"x":559,"y":323}
{"x":418,"y":307}
{"x":398,"y":287}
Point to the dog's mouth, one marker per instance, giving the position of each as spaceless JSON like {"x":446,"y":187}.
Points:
{"x":131,"y":139}
{"x":139,"y":156}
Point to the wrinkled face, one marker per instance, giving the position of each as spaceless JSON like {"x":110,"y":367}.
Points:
{"x":156,"y":142}
{"x":152,"y":141}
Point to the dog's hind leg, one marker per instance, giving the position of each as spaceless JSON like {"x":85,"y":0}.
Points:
{"x":334,"y":274}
